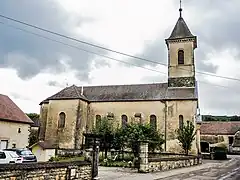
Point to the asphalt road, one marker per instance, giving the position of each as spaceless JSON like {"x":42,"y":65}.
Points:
{"x":223,"y":171}
{"x":209,"y":170}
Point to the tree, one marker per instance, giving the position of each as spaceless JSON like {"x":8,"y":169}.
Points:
{"x":33,"y":116}
{"x":132,"y":133}
{"x":106,"y":131}
{"x":186,"y":136}
{"x":33,"y":137}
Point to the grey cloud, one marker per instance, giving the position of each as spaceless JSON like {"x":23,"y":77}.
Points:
{"x":54,"y":83}
{"x":30,"y":54}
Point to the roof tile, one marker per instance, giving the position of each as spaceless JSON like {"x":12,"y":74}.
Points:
{"x":219,"y":128}
{"x":11,"y":112}
{"x":133,"y":92}
{"x":180,"y":30}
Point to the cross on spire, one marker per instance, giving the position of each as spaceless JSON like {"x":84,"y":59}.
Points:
{"x":180,"y":9}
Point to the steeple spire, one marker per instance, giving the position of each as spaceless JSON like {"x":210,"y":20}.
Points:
{"x":181,"y":29}
{"x":180,"y":9}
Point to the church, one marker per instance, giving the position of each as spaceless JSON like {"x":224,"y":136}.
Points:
{"x":66,"y":115}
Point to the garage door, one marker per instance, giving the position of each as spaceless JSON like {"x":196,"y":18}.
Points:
{"x":3,"y":144}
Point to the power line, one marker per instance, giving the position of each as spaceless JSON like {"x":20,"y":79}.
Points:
{"x":111,"y":50}
{"x":81,"y":49}
{"x":76,"y":47}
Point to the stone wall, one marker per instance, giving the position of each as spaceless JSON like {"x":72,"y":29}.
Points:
{"x":156,"y":162}
{"x":49,"y":170}
{"x":161,"y":164}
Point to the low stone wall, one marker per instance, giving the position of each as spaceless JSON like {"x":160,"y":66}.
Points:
{"x":150,"y":162}
{"x":46,"y":170}
{"x":161,"y":164}
{"x":164,"y":155}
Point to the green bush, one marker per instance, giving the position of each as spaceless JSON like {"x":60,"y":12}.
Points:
{"x":66,"y":159}
{"x":111,"y":163}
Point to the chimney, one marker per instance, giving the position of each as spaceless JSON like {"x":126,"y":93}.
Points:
{"x":82,"y":91}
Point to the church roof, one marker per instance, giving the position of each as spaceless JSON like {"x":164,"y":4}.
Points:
{"x":180,"y":30}
{"x":9,"y":111}
{"x":133,"y":92}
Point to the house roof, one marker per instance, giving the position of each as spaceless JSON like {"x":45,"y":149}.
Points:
{"x":9,"y":111}
{"x":133,"y":92}
{"x":46,"y":144}
{"x":36,"y":123}
{"x":219,"y":128}
{"x":180,"y":30}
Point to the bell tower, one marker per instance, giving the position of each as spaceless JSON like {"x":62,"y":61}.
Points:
{"x":181,"y":45}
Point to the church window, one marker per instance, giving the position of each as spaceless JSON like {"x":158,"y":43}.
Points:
{"x":138,"y":117}
{"x":61,"y":120}
{"x":153,"y":122}
{"x":180,"y":57}
{"x":98,"y":121}
{"x":110,"y":115}
{"x":180,"y":121}
{"x":124,"y":120}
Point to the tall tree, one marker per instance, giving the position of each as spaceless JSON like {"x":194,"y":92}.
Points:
{"x":186,"y":136}
{"x":105,"y":129}
{"x":132,"y":133}
{"x":33,"y":137}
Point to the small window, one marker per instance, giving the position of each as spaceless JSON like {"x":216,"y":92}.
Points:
{"x":61,"y":121}
{"x":153,"y":122}
{"x":19,"y":130}
{"x":98,"y":121}
{"x":180,"y":57}
{"x":124,"y":120}
{"x":13,"y":145}
{"x":180,"y":121}
{"x":2,"y":155}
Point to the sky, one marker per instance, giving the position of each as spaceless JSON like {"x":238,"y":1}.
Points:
{"x":33,"y":66}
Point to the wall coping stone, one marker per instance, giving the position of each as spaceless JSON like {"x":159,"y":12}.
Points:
{"x":169,"y":153}
{"x":173,"y":158}
{"x":42,"y":165}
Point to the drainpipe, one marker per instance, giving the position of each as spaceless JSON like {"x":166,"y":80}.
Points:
{"x":165,"y":125}
{"x":77,"y":126}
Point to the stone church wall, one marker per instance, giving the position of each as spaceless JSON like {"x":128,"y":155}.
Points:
{"x":145,"y":108}
{"x":81,"y":116}
{"x":174,"y":109}
{"x":66,"y":135}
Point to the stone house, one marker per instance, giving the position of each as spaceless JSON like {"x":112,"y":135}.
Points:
{"x":65,"y":115}
{"x":218,"y":133}
{"x":14,"y":125}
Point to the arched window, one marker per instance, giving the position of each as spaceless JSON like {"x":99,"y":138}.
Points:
{"x":180,"y":121}
{"x":153,"y":122}
{"x":61,"y":120}
{"x":124,"y":120}
{"x":98,"y":121}
{"x":180,"y":57}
